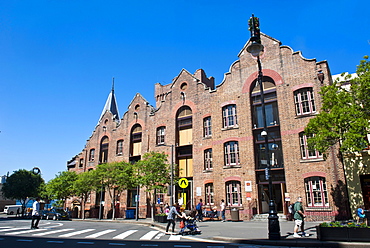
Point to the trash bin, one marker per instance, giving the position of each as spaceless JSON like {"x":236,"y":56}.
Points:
{"x":234,"y":214}
{"x":130,"y":214}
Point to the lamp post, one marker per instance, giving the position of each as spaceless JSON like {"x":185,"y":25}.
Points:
{"x":257,"y":49}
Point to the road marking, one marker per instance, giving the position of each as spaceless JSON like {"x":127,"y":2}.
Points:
{"x":149,"y":235}
{"x":125,"y":234}
{"x":95,"y":235}
{"x":56,"y":242}
{"x":24,"y":240}
{"x":52,"y":232}
{"x":86,"y":243}
{"x":13,"y":229}
{"x":150,"y":245}
{"x":75,"y":233}
{"x":24,"y":231}
{"x":174,"y":237}
{"x":182,"y":246}
{"x":116,"y":244}
{"x":160,"y":235}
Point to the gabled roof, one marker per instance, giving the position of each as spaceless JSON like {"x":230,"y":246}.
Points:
{"x":111,"y":106}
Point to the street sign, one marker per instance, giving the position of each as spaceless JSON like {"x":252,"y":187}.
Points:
{"x":267,"y":174}
{"x":183,"y":183}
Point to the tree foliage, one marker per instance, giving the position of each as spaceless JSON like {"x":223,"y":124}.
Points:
{"x":153,"y":171}
{"x":21,"y":185}
{"x":61,"y":187}
{"x":344,"y":116}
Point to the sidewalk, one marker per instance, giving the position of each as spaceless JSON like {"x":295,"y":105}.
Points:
{"x":250,"y":232}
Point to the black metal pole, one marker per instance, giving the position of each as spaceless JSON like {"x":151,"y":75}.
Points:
{"x":273,"y":219}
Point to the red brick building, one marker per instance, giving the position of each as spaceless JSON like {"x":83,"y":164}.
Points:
{"x":216,"y":133}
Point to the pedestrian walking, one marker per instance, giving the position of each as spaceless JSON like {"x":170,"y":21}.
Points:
{"x":299,"y":219}
{"x":36,"y":214}
{"x":223,"y":209}
{"x":199,"y":209}
{"x":171,"y":217}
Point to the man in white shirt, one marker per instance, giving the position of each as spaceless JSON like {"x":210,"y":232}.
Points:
{"x":35,"y":214}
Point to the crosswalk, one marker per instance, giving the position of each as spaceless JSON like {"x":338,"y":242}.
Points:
{"x":89,"y":233}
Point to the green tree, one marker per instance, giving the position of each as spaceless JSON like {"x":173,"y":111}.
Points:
{"x":61,"y":187}
{"x":154,"y":172}
{"x":114,"y":177}
{"x":83,"y":185}
{"x":344,"y":117}
{"x":22,"y":185}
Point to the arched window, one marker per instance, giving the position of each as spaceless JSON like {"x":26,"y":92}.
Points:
{"x":208,"y":160}
{"x":304,"y":101}
{"x":307,"y":153}
{"x":229,"y":116}
{"x":119,"y":149}
{"x":209,"y":194}
{"x":136,"y":136}
{"x":231,"y":153}
{"x":185,"y":126}
{"x":233,"y":193}
{"x":316,"y":192}
{"x":104,"y":145}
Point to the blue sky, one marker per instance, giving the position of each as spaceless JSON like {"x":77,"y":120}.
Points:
{"x":57,"y":58}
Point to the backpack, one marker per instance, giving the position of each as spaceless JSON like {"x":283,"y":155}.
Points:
{"x":291,"y":209}
{"x":198,"y":207}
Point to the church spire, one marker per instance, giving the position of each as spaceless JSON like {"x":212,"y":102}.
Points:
{"x":111,"y":105}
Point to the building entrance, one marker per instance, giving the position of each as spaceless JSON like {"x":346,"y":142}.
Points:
{"x":264,"y":197}
{"x":365,"y":186}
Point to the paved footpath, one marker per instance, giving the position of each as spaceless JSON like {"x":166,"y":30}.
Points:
{"x":252,"y":232}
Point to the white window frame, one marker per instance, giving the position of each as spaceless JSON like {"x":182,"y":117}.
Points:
{"x":229,"y":116}
{"x":207,"y":124}
{"x":305,"y":152}
{"x":209,"y":191}
{"x":231,"y":153}
{"x":208,"y":166}
{"x":161,"y":134}
{"x":304,"y":101}
{"x":233,"y":193}
{"x":316,"y":192}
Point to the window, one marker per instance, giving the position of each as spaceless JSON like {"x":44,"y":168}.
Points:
{"x":160,"y":135}
{"x":119,"y":147}
{"x":233,"y":193}
{"x":160,"y":196}
{"x":92,"y":155}
{"x":307,"y":153}
{"x":207,"y":125}
{"x":304,"y":101}
{"x":231,"y":153}
{"x":208,"y":160}
{"x":229,"y":116}
{"x":209,"y":194}
{"x":81,"y":164}
{"x":104,"y":145}
{"x":316,"y":192}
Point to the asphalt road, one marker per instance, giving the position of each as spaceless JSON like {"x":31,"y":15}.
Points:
{"x":63,"y":234}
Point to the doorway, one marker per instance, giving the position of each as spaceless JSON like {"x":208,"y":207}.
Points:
{"x":365,"y":187}
{"x":264,"y":197}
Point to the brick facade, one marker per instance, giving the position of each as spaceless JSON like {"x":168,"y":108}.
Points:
{"x":289,"y":72}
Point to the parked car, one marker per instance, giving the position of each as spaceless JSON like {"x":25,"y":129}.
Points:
{"x":13,"y":209}
{"x":55,"y":214}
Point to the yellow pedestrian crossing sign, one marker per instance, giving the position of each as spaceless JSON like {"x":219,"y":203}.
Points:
{"x":183,"y":183}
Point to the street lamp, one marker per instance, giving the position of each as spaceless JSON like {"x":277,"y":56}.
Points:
{"x":257,"y":49}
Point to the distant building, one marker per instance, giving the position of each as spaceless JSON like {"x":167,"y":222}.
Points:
{"x":4,"y":201}
{"x":216,"y":132}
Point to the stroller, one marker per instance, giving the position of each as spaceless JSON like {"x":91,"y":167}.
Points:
{"x":189,"y":227}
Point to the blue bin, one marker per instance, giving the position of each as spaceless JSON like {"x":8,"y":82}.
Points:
{"x":130,"y":214}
